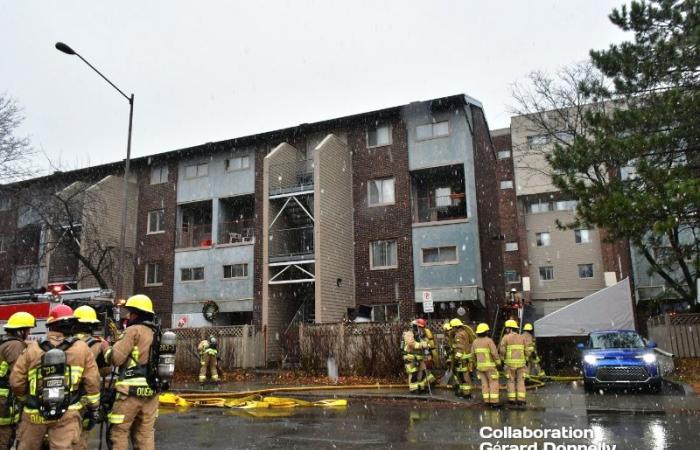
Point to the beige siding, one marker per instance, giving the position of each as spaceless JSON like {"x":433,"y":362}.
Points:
{"x":334,"y":236}
{"x":531,"y":167}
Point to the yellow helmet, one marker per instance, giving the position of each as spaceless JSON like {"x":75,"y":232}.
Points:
{"x":454,"y":323}
{"x":512,"y":324}
{"x":482,"y":328}
{"x":86,"y":314}
{"x":527,"y":327}
{"x":140,"y":302}
{"x":19,"y":320}
{"x":446,"y":326}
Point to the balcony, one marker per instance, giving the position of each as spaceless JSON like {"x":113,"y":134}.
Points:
{"x":439,"y":194}
{"x":438,"y":208}
{"x":287,"y":178}
{"x":291,"y":244}
{"x":190,"y":236}
{"x":237,"y":232}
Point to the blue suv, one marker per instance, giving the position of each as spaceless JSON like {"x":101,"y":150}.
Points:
{"x":619,"y":358}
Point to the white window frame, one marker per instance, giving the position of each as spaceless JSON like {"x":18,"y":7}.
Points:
{"x":158,"y":266}
{"x":539,"y":242}
{"x":592,"y":271}
{"x":578,"y":237}
{"x":508,"y":154}
{"x":505,"y":276}
{"x":439,"y":263}
{"x":539,"y":271}
{"x":381,"y":203}
{"x":162,"y":174}
{"x":511,"y":246}
{"x":192,"y":269}
{"x":388,"y":126}
{"x":197,"y":170}
{"x":371,"y":255}
{"x":244,"y":264}
{"x":161,"y":222}
{"x":244,"y":158}
{"x":433,"y":134}
{"x":385,"y":306}
{"x":506,"y":184}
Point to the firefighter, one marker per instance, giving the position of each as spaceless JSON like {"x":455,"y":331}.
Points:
{"x":414,"y":348}
{"x":487,"y":361}
{"x":11,"y":346}
{"x":52,"y":375}
{"x":514,"y":354}
{"x":208,"y":358}
{"x":136,"y":405}
{"x":429,"y":354}
{"x":533,"y":362}
{"x":462,"y":354}
{"x":449,"y":377}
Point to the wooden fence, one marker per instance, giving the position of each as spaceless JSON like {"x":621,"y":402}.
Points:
{"x":240,"y":346}
{"x":676,"y":333}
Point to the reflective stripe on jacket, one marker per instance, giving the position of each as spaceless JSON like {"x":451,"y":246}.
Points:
{"x":485,"y":353}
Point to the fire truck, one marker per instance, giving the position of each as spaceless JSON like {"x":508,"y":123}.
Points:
{"x":40,"y":302}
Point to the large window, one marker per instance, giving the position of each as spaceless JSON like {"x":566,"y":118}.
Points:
{"x":546,"y":273}
{"x":585,"y":270}
{"x":237,"y":163}
{"x":432,"y":130}
{"x":192,"y":274}
{"x":383,"y":255}
{"x":197,"y":170}
{"x":582,"y":236}
{"x":159,"y":174}
{"x":235,"y":271}
{"x":156,"y":221}
{"x":154,"y":274}
{"x":381,"y":192}
{"x":512,"y":276}
{"x":543,"y":239}
{"x":439,"y":255}
{"x":566,"y":205}
{"x":379,"y":136}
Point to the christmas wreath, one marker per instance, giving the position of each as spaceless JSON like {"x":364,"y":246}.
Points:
{"x":210,"y":310}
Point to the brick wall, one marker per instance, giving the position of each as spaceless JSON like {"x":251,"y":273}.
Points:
{"x":382,"y":223}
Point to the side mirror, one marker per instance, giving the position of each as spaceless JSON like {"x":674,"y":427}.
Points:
{"x":581,"y":346}
{"x":651,"y":344}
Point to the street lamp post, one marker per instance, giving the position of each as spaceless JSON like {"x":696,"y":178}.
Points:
{"x":60,"y":46}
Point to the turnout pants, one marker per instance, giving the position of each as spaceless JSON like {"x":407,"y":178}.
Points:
{"x":464,"y":382}
{"x":6,"y":436}
{"x":64,"y":433}
{"x":515,"y":380}
{"x":208,"y":362}
{"x":133,"y":417}
{"x":489,"y":385}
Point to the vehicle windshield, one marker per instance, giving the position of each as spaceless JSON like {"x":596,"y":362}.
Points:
{"x":616,"y":340}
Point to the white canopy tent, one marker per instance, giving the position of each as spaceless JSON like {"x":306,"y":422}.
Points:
{"x":609,"y":308}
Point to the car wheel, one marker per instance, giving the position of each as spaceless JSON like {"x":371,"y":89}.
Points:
{"x":654,"y":386}
{"x":588,"y":387}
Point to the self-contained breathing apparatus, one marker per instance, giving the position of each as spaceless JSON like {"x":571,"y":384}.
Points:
{"x":54,"y":393}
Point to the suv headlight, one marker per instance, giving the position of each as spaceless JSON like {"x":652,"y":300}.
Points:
{"x":590,"y":359}
{"x":649,"y":358}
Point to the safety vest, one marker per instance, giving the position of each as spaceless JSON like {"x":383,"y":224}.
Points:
{"x":515,"y":355}
{"x":12,"y":413}
{"x":487,"y":362}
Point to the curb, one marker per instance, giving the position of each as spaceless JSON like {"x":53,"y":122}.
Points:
{"x":679,"y":386}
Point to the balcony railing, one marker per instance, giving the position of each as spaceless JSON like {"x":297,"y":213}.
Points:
{"x":291,"y":242}
{"x":193,"y":236}
{"x":291,"y":177}
{"x":437,"y":208}
{"x":237,"y":232}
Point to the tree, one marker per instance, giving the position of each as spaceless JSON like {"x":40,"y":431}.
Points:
{"x":636,"y":167}
{"x":15,"y":151}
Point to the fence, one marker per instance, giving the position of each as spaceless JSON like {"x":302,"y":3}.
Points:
{"x":240,"y":346}
{"x":676,"y":333}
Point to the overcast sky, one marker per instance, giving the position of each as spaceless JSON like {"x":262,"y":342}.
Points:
{"x":212,"y":70}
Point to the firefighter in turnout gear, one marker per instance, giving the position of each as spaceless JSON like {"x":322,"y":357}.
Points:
{"x":447,"y":347}
{"x":11,"y":346}
{"x":533,"y":362}
{"x":514,"y":353}
{"x":462,"y":354}
{"x":487,"y":360}
{"x":51,"y":376}
{"x":427,"y":334}
{"x":414,"y":349}
{"x":208,"y":358}
{"x":136,"y":405}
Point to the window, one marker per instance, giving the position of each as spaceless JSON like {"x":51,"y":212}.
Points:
{"x":192,"y":274}
{"x":439,"y":255}
{"x":381,"y":192}
{"x":235,"y":271}
{"x":503,"y":154}
{"x":543,"y":239}
{"x":379,"y":136}
{"x":385,"y":313}
{"x":3,"y":243}
{"x":156,"y":221}
{"x":564,"y":136}
{"x":432,"y":130}
{"x":159,"y":174}
{"x":585,"y":270}
{"x":538,"y":140}
{"x":383,"y":255}
{"x":566,"y":205}
{"x":197,"y":170}
{"x":507,"y":184}
{"x":5,"y":203}
{"x":154,"y":274}
{"x":512,"y":276}
{"x":237,"y":163}
{"x":540,"y":206}
{"x":546,"y":273}
{"x":582,"y":236}
{"x":511,"y":246}
{"x":443,"y":197}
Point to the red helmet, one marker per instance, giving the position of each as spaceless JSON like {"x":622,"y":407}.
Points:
{"x":59,"y":313}
{"x":421,"y":322}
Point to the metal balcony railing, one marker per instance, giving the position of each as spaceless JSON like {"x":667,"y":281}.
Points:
{"x":291,"y":177}
{"x":237,"y":232}
{"x":437,"y":208}
{"x":188,"y":236}
{"x":291,"y":242}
